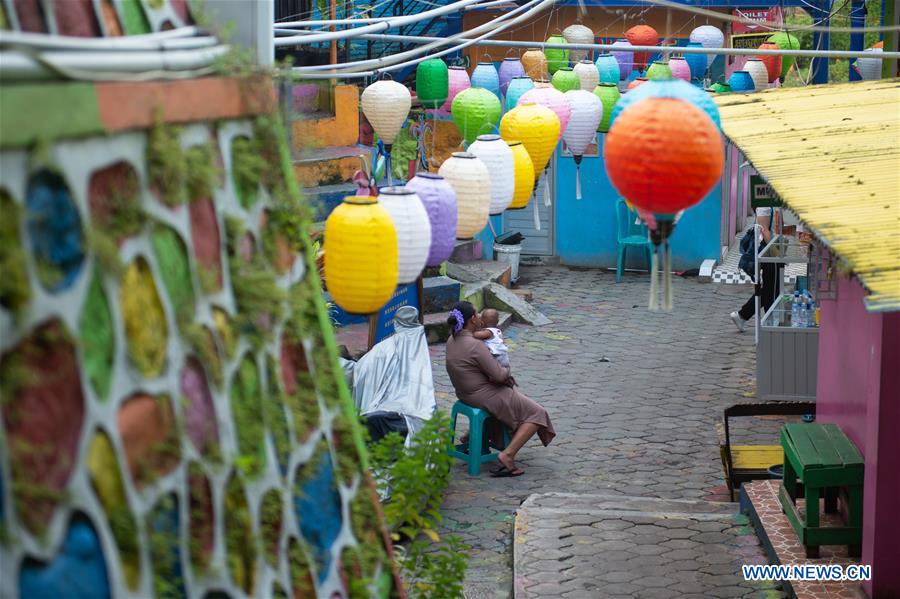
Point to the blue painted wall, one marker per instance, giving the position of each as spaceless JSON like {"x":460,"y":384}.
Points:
{"x":586,"y":228}
{"x":487,"y":236}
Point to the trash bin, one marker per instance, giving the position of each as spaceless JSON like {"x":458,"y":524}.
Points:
{"x":509,"y":254}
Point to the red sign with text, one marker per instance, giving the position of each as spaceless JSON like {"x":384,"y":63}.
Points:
{"x":772,"y":15}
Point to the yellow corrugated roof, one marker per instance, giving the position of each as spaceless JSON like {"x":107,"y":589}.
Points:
{"x":832,"y":153}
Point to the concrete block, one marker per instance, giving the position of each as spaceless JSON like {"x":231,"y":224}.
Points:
{"x":440,"y":293}
{"x":474,"y":294}
{"x":467,"y":251}
{"x":482,"y":270}
{"x":498,"y":297}
{"x":437,"y":331}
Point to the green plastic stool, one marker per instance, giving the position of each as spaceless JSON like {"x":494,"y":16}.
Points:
{"x":477,"y":438}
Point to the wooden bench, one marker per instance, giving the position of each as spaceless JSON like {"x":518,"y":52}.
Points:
{"x":744,"y":463}
{"x":820,"y":461}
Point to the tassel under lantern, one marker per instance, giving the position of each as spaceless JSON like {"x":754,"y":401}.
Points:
{"x":498,"y":158}
{"x":785,"y":41}
{"x":517,"y":87}
{"x":870,"y":68}
{"x":609,"y":96}
{"x":624,"y":58}
{"x":524,"y":172}
{"x":470,"y":180}
{"x":538,"y":128}
{"x":439,"y":200}
{"x":458,"y":80}
{"x":557,"y":58}
{"x":758,"y":73}
{"x":741,"y":82}
{"x":386,"y":105}
{"x":475,"y":111}
{"x":680,"y":69}
{"x":709,"y":37}
{"x":642,"y":35}
{"x":659,"y":71}
{"x":608,"y":69}
{"x":587,"y":111}
{"x":485,"y":76}
{"x":565,"y":80}
{"x":697,"y":62}
{"x":677,"y":89}
{"x":535,"y":63}
{"x":664,"y":155}
{"x":413,"y":230}
{"x":578,"y":33}
{"x":772,"y":62}
{"x":432,"y":83}
{"x":510,"y":68}
{"x":588,"y":76}
{"x":553,"y":99}
{"x":361,"y":255}
{"x":637,"y":82}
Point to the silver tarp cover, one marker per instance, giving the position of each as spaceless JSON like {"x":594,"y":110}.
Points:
{"x":395,"y":375}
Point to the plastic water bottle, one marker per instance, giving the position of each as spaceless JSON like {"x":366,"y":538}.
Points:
{"x":804,"y":315}
{"x":795,"y":310}
{"x":811,"y":314}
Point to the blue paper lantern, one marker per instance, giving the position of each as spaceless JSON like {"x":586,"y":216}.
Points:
{"x":609,"y":68}
{"x":517,"y":87}
{"x":486,"y":76}
{"x":672,"y":88}
{"x":697,"y":62}
{"x":741,"y":81}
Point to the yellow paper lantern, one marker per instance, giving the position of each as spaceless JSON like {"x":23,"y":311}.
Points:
{"x":361,"y":256}
{"x":524,"y":173}
{"x":537,"y":127}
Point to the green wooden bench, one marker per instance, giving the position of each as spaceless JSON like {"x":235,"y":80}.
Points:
{"x":827,"y":464}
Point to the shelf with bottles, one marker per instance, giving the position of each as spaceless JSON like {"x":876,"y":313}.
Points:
{"x":796,"y":311}
{"x":785,"y":249}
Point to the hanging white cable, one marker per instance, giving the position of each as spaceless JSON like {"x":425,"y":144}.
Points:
{"x":369,"y":20}
{"x":374,"y":28}
{"x":493,"y":25}
{"x":151,"y":40}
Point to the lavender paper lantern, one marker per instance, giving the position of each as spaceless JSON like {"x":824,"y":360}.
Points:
{"x":588,"y":75}
{"x":697,"y":62}
{"x":680,"y":68}
{"x":609,"y":69}
{"x":486,"y":77}
{"x":510,"y":68}
{"x":517,"y":87}
{"x":624,"y":58}
{"x":439,"y":201}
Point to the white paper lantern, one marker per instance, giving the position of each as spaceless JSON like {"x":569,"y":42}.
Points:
{"x":469,"y":178}
{"x":386,"y":105}
{"x":758,"y":73}
{"x":869,"y":68}
{"x":498,"y":158}
{"x":710,"y":37}
{"x":587,"y":111}
{"x":588,"y":75}
{"x":413,"y":230}
{"x":578,"y":34}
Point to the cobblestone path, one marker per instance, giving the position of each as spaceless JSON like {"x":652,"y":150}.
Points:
{"x":633,"y":396}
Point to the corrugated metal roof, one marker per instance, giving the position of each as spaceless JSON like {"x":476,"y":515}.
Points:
{"x":832,"y":153}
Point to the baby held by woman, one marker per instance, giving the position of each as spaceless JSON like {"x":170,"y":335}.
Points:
{"x":492,"y":336}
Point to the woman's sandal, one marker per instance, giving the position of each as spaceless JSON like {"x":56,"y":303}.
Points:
{"x":504,"y":472}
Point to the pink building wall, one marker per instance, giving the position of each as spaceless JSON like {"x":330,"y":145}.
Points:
{"x":859,"y":390}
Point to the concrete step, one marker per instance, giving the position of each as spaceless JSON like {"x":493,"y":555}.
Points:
{"x":585,"y":503}
{"x":437,"y":331}
{"x":480,"y":270}
{"x":467,"y":251}
{"x":440,"y":293}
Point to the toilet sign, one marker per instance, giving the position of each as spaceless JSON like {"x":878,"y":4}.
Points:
{"x":761,"y":193}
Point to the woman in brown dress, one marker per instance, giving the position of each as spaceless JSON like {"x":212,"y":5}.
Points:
{"x":481,"y":382}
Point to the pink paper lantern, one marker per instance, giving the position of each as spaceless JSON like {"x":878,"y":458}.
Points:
{"x":458,"y":80}
{"x":680,"y":69}
{"x":553,"y":99}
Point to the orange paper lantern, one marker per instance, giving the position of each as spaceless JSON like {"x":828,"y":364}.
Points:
{"x":636,"y":83}
{"x":663,"y":154}
{"x":773,"y":63}
{"x":642,"y":35}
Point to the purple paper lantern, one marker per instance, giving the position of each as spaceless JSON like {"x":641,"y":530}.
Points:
{"x":510,"y":68}
{"x":625,"y":59}
{"x":439,"y":200}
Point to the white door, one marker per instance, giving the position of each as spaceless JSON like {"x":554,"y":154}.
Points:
{"x":536,"y":242}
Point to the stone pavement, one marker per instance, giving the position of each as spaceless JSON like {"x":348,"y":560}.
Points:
{"x":633,"y":396}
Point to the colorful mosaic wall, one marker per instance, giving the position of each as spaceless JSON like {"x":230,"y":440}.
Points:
{"x":172,"y":418}
{"x":94,"y":18}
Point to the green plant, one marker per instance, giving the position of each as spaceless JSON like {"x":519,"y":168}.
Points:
{"x":14,"y":291}
{"x":202,"y":173}
{"x":166,"y":165}
{"x":246,"y":167}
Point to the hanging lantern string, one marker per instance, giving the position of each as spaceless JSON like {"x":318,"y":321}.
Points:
{"x":667,"y":274}
{"x":653,"y":304}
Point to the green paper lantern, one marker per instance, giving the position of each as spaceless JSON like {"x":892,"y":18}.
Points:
{"x":556,"y":58}
{"x":565,"y":80}
{"x":785,"y":41}
{"x":659,"y":71}
{"x":609,"y":95}
{"x":475,"y":111}
{"x":432,"y":83}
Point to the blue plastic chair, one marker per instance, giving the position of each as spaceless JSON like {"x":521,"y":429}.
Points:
{"x":629,"y":234}
{"x":479,"y":449}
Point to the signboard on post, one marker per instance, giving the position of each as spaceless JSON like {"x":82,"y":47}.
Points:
{"x":381,"y":323}
{"x":761,"y":193}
